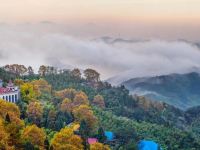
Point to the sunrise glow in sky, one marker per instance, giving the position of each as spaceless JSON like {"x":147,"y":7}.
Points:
{"x":143,"y":18}
{"x":64,"y":10}
{"x":71,"y":33}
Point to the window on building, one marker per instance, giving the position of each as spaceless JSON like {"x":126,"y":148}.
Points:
{"x":13,"y":100}
{"x":9,"y":98}
{"x":15,"y":97}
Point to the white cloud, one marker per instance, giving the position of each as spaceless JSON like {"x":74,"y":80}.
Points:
{"x":33,"y":46}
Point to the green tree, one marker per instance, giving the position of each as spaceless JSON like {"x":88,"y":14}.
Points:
{"x":91,"y":75}
{"x":29,"y":146}
{"x":84,"y":132}
{"x":101,"y":135}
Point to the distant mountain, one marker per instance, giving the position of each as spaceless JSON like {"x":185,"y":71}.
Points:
{"x":114,"y":40}
{"x":179,"y":90}
{"x":198,"y":45}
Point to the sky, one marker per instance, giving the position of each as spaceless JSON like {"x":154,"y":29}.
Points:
{"x":121,"y":38}
{"x":167,"y":19}
{"x":64,"y":10}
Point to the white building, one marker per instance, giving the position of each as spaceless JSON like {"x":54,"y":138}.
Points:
{"x":10,"y":93}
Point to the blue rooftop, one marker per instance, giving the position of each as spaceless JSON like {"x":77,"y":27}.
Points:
{"x":148,"y":145}
{"x":109,"y":135}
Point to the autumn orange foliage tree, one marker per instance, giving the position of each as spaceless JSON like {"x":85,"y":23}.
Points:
{"x":84,"y":112}
{"x":99,"y":101}
{"x":80,"y":99}
{"x":71,"y":99}
{"x":66,"y":105}
{"x":66,"y":93}
{"x":41,"y":86}
{"x":35,"y":111}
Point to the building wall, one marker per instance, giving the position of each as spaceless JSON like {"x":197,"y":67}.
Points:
{"x":1,"y":83}
{"x":11,"y":97}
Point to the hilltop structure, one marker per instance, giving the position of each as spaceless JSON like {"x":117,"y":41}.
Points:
{"x":10,"y":93}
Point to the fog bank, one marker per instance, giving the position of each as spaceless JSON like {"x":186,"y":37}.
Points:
{"x":124,"y":58}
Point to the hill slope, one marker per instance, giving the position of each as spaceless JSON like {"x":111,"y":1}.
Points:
{"x":180,"y":90}
{"x":61,"y":100}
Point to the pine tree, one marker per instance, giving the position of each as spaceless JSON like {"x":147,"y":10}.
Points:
{"x":7,"y":119}
{"x":46,"y":144}
{"x":29,"y":146}
{"x":101,"y":135}
{"x":84,"y":132}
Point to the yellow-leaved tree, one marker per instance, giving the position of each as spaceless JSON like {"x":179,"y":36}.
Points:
{"x":27,"y":92}
{"x":8,"y":108}
{"x":99,"y":146}
{"x":66,"y":140}
{"x":34,"y":135}
{"x":13,"y":126}
{"x":10,"y":114}
{"x":4,"y":137}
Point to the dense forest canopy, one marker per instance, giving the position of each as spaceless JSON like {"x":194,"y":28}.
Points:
{"x":65,"y":109}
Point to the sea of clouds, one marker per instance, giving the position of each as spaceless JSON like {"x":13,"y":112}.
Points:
{"x":123,"y":59}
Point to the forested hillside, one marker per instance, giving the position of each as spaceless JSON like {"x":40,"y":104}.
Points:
{"x":67,"y":110}
{"x":179,"y":90}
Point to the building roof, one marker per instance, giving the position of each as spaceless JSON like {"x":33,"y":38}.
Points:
{"x":148,"y":145}
{"x":109,"y":135}
{"x":9,"y":89}
{"x":92,"y":140}
{"x":5,"y":90}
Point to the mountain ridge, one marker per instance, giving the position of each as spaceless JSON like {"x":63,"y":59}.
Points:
{"x":180,"y":90}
